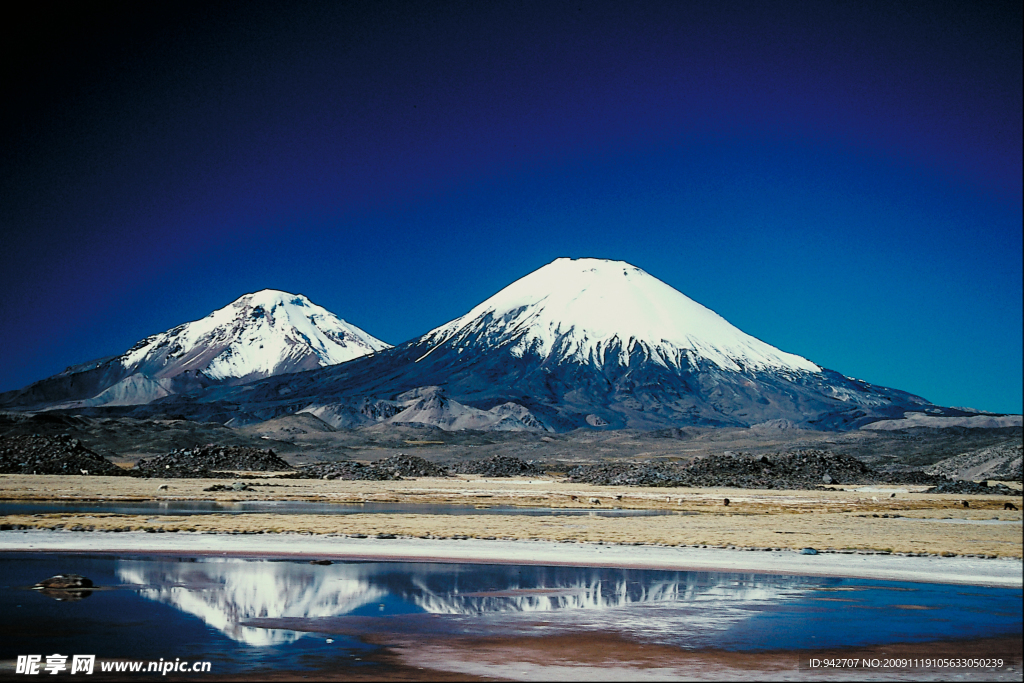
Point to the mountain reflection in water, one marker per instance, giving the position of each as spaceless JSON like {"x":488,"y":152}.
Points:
{"x":234,"y":596}
{"x":258,"y":615}
{"x":225,"y":593}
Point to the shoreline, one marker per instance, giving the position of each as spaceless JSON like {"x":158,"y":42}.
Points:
{"x":1004,"y":573}
{"x":894,"y":522}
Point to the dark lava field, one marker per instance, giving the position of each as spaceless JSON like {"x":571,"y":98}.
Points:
{"x":305,"y":441}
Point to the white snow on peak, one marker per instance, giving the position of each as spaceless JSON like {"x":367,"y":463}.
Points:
{"x":259,"y":334}
{"x":595,"y":310}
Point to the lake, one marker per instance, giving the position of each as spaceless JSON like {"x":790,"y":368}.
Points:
{"x":248,"y":615}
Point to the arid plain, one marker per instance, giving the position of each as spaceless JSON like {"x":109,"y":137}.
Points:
{"x":893,"y":518}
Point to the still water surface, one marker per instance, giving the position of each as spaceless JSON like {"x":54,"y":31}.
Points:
{"x":247,"y":615}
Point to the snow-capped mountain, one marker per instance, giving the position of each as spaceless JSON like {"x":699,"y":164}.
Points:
{"x":258,"y":335}
{"x":597,"y":312}
{"x":577,"y":343}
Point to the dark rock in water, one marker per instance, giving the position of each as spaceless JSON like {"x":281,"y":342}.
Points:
{"x":321,"y":562}
{"x":808,"y":551}
{"x":65,"y":582}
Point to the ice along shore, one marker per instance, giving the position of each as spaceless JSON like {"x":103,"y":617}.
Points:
{"x":948,"y":570}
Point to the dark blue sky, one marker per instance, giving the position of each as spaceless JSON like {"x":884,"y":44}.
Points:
{"x":841,"y":180}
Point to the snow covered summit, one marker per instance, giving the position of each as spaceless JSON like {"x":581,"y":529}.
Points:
{"x":258,"y":335}
{"x":266,"y":333}
{"x":597,"y":311}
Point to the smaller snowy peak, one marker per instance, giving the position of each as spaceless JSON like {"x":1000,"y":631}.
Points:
{"x":258,"y":335}
{"x":597,"y":311}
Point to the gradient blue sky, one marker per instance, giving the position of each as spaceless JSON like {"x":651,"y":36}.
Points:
{"x":841,"y":180}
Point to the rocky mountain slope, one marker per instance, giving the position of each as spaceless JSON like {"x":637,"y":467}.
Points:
{"x":1000,"y":462}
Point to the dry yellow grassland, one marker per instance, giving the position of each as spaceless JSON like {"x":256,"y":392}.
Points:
{"x":909,"y":523}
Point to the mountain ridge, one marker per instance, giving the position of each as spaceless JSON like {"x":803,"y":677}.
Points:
{"x":578,"y":343}
{"x":568,"y":355}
